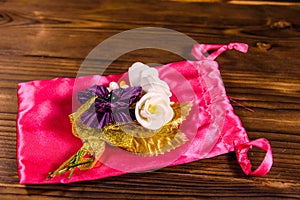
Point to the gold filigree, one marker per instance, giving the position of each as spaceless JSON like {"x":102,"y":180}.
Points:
{"x":139,"y":140}
{"x":131,"y":137}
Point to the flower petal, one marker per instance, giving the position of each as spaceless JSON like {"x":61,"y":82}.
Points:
{"x":89,"y":117}
{"x":86,"y":94}
{"x":147,"y":77}
{"x":104,"y":119}
{"x":122,"y":116}
{"x":126,"y":95}
{"x":101,"y":91}
{"x":135,"y":72}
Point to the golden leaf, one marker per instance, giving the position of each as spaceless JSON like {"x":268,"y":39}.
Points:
{"x":136,"y":139}
{"x":129,"y":136}
{"x":132,"y":136}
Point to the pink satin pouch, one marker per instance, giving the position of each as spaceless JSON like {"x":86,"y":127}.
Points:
{"x":45,"y":138}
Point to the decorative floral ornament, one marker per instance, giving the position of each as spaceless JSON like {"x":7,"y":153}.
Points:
{"x":153,"y":110}
{"x":108,"y":106}
{"x":139,"y":118}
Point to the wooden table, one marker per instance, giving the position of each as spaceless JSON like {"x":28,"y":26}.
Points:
{"x":48,"y":39}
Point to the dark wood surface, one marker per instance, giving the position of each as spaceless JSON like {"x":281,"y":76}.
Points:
{"x":48,"y":39}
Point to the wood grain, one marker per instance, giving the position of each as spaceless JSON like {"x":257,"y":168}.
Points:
{"x":48,"y":39}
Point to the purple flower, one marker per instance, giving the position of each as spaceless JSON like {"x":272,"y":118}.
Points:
{"x":109,"y":106}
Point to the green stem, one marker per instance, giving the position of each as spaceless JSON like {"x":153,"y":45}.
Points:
{"x":71,"y":164}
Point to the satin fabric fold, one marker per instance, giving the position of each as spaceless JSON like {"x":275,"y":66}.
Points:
{"x":45,"y":138}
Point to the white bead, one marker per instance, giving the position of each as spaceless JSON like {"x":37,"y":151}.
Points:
{"x":113,"y":85}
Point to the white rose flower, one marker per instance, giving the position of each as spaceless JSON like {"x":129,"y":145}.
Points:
{"x":147,"y":77}
{"x":153,"y":110}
